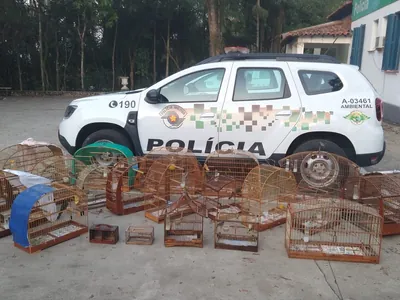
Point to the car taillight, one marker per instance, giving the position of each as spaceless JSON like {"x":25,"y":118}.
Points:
{"x":379,"y":109}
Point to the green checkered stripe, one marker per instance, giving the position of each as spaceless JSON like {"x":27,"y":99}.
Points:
{"x":258,"y":119}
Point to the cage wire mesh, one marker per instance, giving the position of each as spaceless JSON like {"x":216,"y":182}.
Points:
{"x":325,"y":225}
{"x":224,"y":172}
{"x":24,"y":157}
{"x":319,"y":168}
{"x":56,"y":216}
{"x":266,"y":192}
{"x":177,"y":169}
{"x":182,"y":227}
{"x":122,"y":196}
{"x":61,"y":169}
{"x":93,"y":181}
{"x":388,"y":186}
{"x":10,"y":187}
{"x":139,"y":235}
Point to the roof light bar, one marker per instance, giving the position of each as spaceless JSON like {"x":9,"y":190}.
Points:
{"x":243,"y":50}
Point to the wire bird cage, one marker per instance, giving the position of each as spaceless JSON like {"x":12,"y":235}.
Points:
{"x":122,"y":197}
{"x":166,"y":179}
{"x":236,"y":233}
{"x":61,"y":169}
{"x":10,"y":188}
{"x":139,"y":235}
{"x":224,"y":172}
{"x":320,"y":168}
{"x":93,"y":181}
{"x":181,"y":229}
{"x":23,"y":157}
{"x":388,"y":186}
{"x":326,"y":226}
{"x":43,"y":216}
{"x":266,"y":192}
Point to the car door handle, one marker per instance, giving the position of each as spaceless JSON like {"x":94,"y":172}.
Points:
{"x":284,"y":113}
{"x":207,"y":116}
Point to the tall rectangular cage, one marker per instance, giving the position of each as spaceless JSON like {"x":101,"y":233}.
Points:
{"x":326,"y":226}
{"x":46,"y":215}
{"x":224,"y":174}
{"x":10,"y":188}
{"x":122,"y":196}
{"x":173,"y":173}
{"x":388,"y":186}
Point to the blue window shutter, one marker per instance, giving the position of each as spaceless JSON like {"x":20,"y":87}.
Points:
{"x":395,"y":55}
{"x":361,"y":45}
{"x":388,"y":42}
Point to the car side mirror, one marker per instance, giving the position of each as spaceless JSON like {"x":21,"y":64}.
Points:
{"x":153,"y":97}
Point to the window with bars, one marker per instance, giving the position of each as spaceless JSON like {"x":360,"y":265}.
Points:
{"x":391,"y":54}
{"x":357,"y":46}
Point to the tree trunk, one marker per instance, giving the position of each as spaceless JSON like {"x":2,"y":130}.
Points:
{"x":82,"y":41}
{"x":262,"y":36}
{"x":19,"y":72}
{"x":132,"y":58}
{"x":258,"y":26}
{"x":168,"y":50}
{"x":41,"y":46}
{"x":154,"y":53}
{"x":279,"y":21}
{"x":67,"y":59}
{"x":214,"y":30}
{"x":57,"y":64}
{"x":113,"y":55}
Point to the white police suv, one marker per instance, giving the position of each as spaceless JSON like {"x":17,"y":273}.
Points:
{"x":272,"y":105}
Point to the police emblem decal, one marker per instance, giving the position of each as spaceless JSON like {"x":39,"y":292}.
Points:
{"x":357,"y":117}
{"x":173,"y":116}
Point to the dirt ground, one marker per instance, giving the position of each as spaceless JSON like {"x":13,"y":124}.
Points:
{"x":79,"y":270}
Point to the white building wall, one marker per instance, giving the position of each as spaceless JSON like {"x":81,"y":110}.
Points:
{"x":387,"y":84}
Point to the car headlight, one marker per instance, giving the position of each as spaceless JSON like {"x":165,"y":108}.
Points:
{"x":69,"y":111}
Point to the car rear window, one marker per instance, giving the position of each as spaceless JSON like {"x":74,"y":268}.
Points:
{"x":320,"y":82}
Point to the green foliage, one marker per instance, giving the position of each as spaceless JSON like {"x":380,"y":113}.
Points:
{"x":137,"y":20}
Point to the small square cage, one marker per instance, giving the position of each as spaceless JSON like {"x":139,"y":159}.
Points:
{"x":10,"y":188}
{"x":326,"y":226}
{"x":320,"y":168}
{"x":104,"y":234}
{"x":122,"y":198}
{"x":139,"y":235}
{"x":43,"y":216}
{"x":236,"y":233}
{"x":266,"y":192}
{"x":23,"y":157}
{"x":176,"y":169}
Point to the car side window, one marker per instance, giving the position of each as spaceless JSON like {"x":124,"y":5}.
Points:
{"x":260,"y":84}
{"x":201,"y":86}
{"x":320,"y":82}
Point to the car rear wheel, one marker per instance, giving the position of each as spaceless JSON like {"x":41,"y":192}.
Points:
{"x":320,"y":170}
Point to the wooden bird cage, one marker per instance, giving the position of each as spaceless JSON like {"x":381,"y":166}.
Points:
{"x":388,"y":186}
{"x":266,"y":192}
{"x":93,"y":181}
{"x":139,"y":235}
{"x":320,"y":168}
{"x":43,"y":216}
{"x":61,"y":169}
{"x":328,"y":227}
{"x":104,"y":234}
{"x":10,"y":188}
{"x":182,"y":228}
{"x":224,"y":172}
{"x":165,"y":180}
{"x":236,"y":233}
{"x":24,"y":157}
{"x":122,"y":197}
